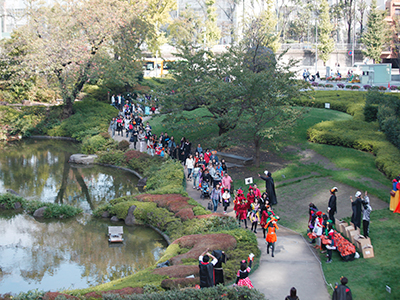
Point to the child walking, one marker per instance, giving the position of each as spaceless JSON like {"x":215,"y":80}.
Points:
{"x":254,"y":215}
{"x":271,"y":226}
{"x":243,"y":273}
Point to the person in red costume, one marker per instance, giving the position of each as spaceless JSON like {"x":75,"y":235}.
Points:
{"x":257,"y":191}
{"x":241,"y":207}
{"x":250,"y":195}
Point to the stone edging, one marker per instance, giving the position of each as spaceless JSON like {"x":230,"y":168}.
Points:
{"x":47,"y":137}
{"x":166,"y":237}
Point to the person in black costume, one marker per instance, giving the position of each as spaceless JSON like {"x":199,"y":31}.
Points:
{"x":270,"y":187}
{"x":342,"y":292}
{"x":356,"y":207}
{"x":218,"y":271}
{"x":206,"y":269}
{"x":332,"y":204}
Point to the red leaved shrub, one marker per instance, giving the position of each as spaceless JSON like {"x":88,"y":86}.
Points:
{"x":53,"y":296}
{"x":178,"y":271}
{"x":185,"y":214}
{"x":134,"y":154}
{"x":198,"y":243}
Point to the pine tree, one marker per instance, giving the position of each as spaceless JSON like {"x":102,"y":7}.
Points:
{"x":326,"y":43}
{"x":377,"y":34}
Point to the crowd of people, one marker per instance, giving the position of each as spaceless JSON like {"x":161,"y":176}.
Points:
{"x":321,"y":225}
{"x":209,"y":175}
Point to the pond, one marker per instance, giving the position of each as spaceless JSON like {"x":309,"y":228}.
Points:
{"x":39,"y":169}
{"x":66,"y":254}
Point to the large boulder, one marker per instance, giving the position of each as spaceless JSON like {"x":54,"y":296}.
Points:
{"x":130,"y":218}
{"x":17,"y":205}
{"x":114,"y":219}
{"x":105,"y":214}
{"x":142,"y":182}
{"x":39,"y":213}
{"x":82,"y":159}
{"x":12,"y":192}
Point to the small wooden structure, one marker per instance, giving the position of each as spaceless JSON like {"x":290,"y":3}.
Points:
{"x":115,"y":234}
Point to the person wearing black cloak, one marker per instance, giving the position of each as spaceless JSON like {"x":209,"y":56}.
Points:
{"x":270,"y":187}
{"x":332,"y":205}
{"x":356,"y":207}
{"x":342,"y":292}
{"x":206,"y":269}
{"x":218,"y":271}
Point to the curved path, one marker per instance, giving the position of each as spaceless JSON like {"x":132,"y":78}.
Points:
{"x":294,"y":264}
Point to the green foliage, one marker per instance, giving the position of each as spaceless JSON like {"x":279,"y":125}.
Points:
{"x":53,"y":211}
{"x":123,"y":145}
{"x":121,"y":209}
{"x":231,"y":293}
{"x":345,"y":101}
{"x":92,"y":144}
{"x":89,"y":118}
{"x":377,"y":33}
{"x":168,"y":176}
{"x":113,"y":157}
{"x":200,"y":210}
{"x":30,"y":295}
{"x":171,"y":251}
{"x":9,"y":200}
{"x":362,"y":136}
{"x":326,"y":43}
{"x":159,"y":217}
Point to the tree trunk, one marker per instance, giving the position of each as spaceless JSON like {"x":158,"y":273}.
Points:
{"x":257,"y":145}
{"x":67,"y":111}
{"x":224,"y":127}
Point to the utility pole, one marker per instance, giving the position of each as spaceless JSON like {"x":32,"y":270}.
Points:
{"x":316,"y":41}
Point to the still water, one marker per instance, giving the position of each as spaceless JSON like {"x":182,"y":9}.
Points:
{"x":39,"y":169}
{"x":53,"y":255}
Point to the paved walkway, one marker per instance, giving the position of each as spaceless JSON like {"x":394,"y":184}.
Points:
{"x":294,"y":263}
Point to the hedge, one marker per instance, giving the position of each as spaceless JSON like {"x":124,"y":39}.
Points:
{"x":344,"y":101}
{"x":219,"y":292}
{"x":362,"y":136}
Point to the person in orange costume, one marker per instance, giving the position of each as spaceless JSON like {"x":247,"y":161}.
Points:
{"x":271,"y":235}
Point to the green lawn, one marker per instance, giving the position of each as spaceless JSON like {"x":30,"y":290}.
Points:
{"x":368,"y":277}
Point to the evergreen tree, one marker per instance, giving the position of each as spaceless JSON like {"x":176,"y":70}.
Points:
{"x":326,"y":43}
{"x":377,"y":34}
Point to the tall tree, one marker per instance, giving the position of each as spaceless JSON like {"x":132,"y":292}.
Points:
{"x":377,"y":34}
{"x":362,"y":8}
{"x":261,"y":30}
{"x":326,"y":44}
{"x":63,"y":40}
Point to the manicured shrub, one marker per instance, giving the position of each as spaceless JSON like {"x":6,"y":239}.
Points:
{"x":329,"y":85}
{"x":348,"y":86}
{"x":314,"y":83}
{"x":382,"y":88}
{"x":321,"y":85}
{"x":219,"y":292}
{"x":123,"y":145}
{"x":340,"y":85}
{"x":362,"y":136}
{"x":355,"y":87}
{"x":393,"y":87}
{"x":366,"y":87}
{"x":114,"y":157}
{"x":345,"y":101}
{"x":89,"y":118}
{"x":92,"y":144}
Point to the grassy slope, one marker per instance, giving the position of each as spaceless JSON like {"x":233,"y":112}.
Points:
{"x":367,"y":276}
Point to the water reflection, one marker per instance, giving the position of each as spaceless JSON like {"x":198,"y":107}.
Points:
{"x":39,"y":169}
{"x":69,"y":254}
